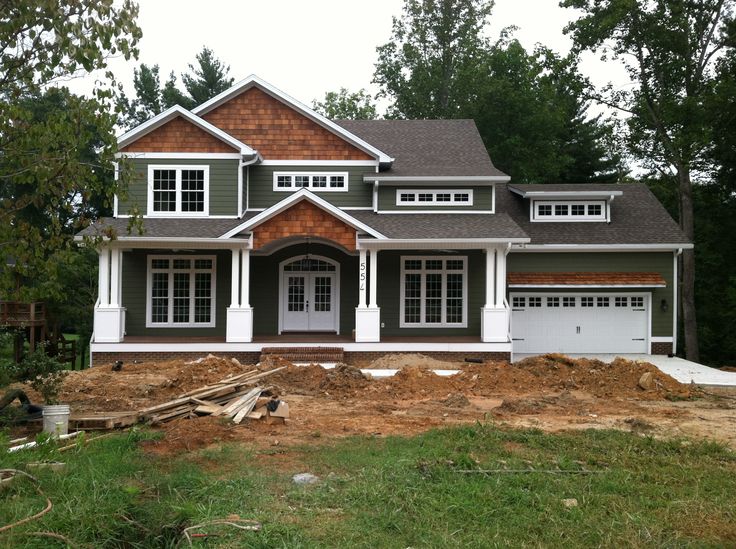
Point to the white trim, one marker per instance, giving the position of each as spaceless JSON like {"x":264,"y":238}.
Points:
{"x":554,"y":217}
{"x":328,"y":188}
{"x":661,"y":339}
{"x":171,"y":113}
{"x":179,"y":155}
{"x":434,"y":243}
{"x":116,"y":177}
{"x":434,"y":202}
{"x":356,"y":208}
{"x":272,"y":247}
{"x":337,"y":163}
{"x":423,"y":273}
{"x":563,"y":286}
{"x":182,"y":216}
{"x":384,"y":212}
{"x":336,"y":289}
{"x":170,"y":297}
{"x":601,"y":247}
{"x":570,"y":195}
{"x":675,"y":296}
{"x":253,"y":80}
{"x":184,"y":346}
{"x":205,"y":168}
{"x":302,"y":194}
{"x":428,"y":179}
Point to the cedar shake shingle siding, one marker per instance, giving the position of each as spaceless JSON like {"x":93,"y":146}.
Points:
{"x":586,"y":279}
{"x":181,"y":136}
{"x":277,"y":131}
{"x":307,"y":220}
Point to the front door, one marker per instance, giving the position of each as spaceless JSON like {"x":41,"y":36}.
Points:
{"x":309,"y":296}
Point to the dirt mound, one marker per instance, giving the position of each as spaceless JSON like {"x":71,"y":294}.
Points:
{"x":300,"y":380}
{"x":416,"y":382}
{"x":344,"y":378}
{"x":456,"y":400}
{"x":191,"y":434}
{"x":400,"y":361}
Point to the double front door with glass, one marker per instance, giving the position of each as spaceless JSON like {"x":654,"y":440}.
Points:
{"x":309,"y":301}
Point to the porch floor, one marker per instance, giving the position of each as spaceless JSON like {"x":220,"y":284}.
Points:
{"x":305,"y":338}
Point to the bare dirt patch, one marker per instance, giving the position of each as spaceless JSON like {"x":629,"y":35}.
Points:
{"x":551,"y":392}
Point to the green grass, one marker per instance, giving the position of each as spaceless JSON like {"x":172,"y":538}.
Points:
{"x":391,"y":492}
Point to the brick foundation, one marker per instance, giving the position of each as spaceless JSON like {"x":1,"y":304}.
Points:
{"x":661,"y":348}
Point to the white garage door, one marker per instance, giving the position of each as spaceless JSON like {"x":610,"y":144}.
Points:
{"x":580,"y":323}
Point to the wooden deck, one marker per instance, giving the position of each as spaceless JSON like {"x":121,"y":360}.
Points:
{"x":305,"y":338}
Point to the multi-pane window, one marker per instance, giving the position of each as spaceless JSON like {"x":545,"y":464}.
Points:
{"x":603,"y":301}
{"x":586,"y":301}
{"x":553,"y":302}
{"x":441,"y":197}
{"x":535,"y":301}
{"x":637,"y":302}
{"x":568,"y":301}
{"x":181,"y":291}
{"x":621,"y":301}
{"x":290,"y":181}
{"x":177,"y":190}
{"x":556,"y":210}
{"x":518,"y":302}
{"x":434,"y":291}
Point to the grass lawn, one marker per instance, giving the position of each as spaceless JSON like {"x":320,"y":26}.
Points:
{"x":389,"y":492}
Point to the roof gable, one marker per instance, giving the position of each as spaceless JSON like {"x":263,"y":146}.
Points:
{"x":178,"y":130}
{"x":256,"y":112}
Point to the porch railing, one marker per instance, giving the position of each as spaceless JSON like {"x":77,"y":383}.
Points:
{"x":19,"y":313}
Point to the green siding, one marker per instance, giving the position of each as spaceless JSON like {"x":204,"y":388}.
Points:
{"x":264,"y":286}
{"x":606,"y":262}
{"x":482,"y":198}
{"x":223,"y":184}
{"x":389,"y":294}
{"x":135,"y":266}
{"x":359,"y":193}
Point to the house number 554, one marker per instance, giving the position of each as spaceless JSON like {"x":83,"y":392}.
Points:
{"x":362,"y":275}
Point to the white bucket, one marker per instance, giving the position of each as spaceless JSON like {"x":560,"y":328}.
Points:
{"x":56,"y":419}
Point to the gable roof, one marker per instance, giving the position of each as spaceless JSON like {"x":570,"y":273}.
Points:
{"x":178,"y":111}
{"x":254,"y":80}
{"x":637,"y":218}
{"x":449,"y":148}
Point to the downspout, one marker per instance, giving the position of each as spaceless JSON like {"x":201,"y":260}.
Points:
{"x":675,"y":304}
{"x":375,"y":197}
{"x":608,"y":209}
{"x":245,"y":164}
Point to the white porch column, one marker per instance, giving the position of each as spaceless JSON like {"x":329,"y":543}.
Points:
{"x":109,"y":316}
{"x":239,"y":326}
{"x":235,"y":279}
{"x":245,"y":279}
{"x":494,"y":319}
{"x":500,"y":277}
{"x":374,"y":280}
{"x":115,"y":266}
{"x":362,"y":275}
{"x":368,"y":318}
{"x":103,"y":278}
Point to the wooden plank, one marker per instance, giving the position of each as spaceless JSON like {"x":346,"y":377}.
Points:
{"x":245,"y":410}
{"x":232,"y":409}
{"x":208,"y":409}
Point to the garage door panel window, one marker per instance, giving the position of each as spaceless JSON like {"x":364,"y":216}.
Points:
{"x":603,"y":301}
{"x":434,"y":292}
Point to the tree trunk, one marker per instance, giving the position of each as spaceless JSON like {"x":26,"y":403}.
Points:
{"x":690,"y":324}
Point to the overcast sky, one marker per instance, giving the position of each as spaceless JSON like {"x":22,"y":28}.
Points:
{"x":307,"y":48}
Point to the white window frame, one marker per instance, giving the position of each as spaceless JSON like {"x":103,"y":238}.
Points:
{"x":535,"y":217}
{"x":434,"y":201}
{"x":192,"y":270}
{"x":422,"y":308}
{"x":311,"y":175}
{"x":179,"y":168}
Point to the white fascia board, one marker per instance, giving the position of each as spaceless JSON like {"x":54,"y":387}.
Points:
{"x":298,"y":196}
{"x":565,"y":194}
{"x":254,"y":80}
{"x":434,"y":243}
{"x":173,"y":112}
{"x":178,"y":242}
{"x":478,"y":179}
{"x":602,"y":247}
{"x":583,"y":286}
{"x":337,"y":163}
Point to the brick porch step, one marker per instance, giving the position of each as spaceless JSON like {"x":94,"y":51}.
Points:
{"x":305,"y":354}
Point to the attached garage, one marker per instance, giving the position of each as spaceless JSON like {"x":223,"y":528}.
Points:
{"x":580,"y":322}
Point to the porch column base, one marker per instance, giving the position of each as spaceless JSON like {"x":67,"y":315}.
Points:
{"x":494,"y":324}
{"x":109,"y":324}
{"x":367,"y":324}
{"x":239,"y":325}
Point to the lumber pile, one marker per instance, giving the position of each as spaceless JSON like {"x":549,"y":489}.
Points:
{"x":234,"y":397}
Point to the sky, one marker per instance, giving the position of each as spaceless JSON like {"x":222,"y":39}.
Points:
{"x":307,"y":48}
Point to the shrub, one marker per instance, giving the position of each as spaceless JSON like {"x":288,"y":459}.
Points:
{"x":44,"y":373}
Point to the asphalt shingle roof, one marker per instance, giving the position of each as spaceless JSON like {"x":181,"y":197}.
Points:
{"x":637,"y":217}
{"x":427,"y":147}
{"x":168,"y":227}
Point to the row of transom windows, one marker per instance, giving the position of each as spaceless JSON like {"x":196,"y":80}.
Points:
{"x":519,"y":302}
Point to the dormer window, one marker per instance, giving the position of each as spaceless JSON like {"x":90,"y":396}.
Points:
{"x":431,"y":197}
{"x":578,"y":210}
{"x":178,"y":190}
{"x":320,"y":182}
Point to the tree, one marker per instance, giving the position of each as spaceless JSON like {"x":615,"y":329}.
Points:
{"x":668,"y":48}
{"x":430,"y":65}
{"x":204,"y":81}
{"x":346,"y":105}
{"x":56,"y":149}
{"x":208,"y":79}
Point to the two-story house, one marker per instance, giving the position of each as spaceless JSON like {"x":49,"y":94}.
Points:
{"x":268,"y":225}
